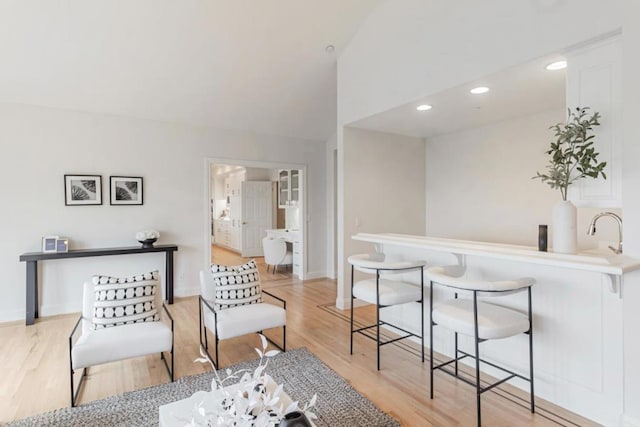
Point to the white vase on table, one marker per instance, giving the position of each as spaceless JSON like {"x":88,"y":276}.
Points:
{"x":565,"y":240}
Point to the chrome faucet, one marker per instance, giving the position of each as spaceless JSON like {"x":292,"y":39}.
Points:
{"x":592,"y":228}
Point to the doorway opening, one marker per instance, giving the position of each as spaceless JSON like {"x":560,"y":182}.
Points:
{"x":247,"y":201}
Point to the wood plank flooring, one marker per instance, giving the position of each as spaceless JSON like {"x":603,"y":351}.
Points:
{"x":35,"y":363}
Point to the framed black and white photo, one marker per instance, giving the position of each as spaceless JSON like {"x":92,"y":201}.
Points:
{"x":62,"y":244}
{"x":126,"y":190}
{"x":49,"y":243}
{"x":82,"y":190}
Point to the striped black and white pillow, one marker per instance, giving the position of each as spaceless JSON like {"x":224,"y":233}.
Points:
{"x":125,"y":300}
{"x":236,"y":285}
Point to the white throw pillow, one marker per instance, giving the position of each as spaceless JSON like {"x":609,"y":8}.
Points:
{"x":236,"y":285}
{"x":125,"y":300}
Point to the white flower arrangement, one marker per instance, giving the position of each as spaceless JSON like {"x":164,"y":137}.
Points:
{"x":255,"y":401}
{"x":147,"y":235}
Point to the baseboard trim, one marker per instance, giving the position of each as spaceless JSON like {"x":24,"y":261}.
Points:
{"x":12,"y":315}
{"x":312,"y":275}
{"x":187,"y":291}
{"x":345,"y":303}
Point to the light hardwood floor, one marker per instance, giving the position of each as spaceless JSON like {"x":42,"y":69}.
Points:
{"x":35,"y":363}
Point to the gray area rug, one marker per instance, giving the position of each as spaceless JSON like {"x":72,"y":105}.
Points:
{"x":300,"y":371}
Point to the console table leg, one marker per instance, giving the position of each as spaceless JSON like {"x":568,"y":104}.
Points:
{"x":169,"y":276}
{"x":32,"y":292}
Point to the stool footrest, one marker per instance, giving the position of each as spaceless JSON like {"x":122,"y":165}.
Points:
{"x":442,"y":366}
{"x":361,"y":332}
{"x":496,"y":366}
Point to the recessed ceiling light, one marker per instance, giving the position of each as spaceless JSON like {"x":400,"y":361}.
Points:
{"x":478,"y":90}
{"x":330,"y":48}
{"x":423,"y":107}
{"x":558,"y":65}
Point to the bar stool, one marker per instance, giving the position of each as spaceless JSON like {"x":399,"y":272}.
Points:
{"x":479,"y":320}
{"x":384,"y":292}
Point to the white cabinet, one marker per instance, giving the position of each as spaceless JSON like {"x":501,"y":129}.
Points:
{"x":594,"y":79}
{"x":227,"y":233}
{"x":233,"y":185}
{"x":297,"y":256}
{"x":289,"y":185}
{"x":222,"y":232}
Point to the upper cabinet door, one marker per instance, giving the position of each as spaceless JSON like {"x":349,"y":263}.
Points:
{"x":294,"y":186}
{"x":594,"y":80}
{"x":283,"y":188}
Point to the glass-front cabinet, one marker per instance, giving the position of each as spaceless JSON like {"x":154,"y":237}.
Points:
{"x":288,"y":187}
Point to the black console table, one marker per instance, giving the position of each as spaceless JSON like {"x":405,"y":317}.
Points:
{"x":32,"y":259}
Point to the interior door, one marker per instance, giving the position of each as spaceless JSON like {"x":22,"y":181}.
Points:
{"x":256,"y":216}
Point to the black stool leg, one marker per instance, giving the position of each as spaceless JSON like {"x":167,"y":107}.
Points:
{"x":533,"y":406}
{"x":378,"y":315}
{"x":431,"y":338}
{"x":352,"y":300}
{"x":422,"y":310}
{"x":477,"y":345}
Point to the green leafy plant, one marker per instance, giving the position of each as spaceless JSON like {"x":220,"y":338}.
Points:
{"x":572,"y":153}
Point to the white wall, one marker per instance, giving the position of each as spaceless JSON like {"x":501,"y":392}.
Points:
{"x":40,"y":145}
{"x":332,"y":146}
{"x":479,"y":184}
{"x":258,"y":174}
{"x":631,"y":206}
{"x":384,"y":190}
{"x":407,"y":49}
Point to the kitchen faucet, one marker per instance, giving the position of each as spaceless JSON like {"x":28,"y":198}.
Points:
{"x":592,"y":228}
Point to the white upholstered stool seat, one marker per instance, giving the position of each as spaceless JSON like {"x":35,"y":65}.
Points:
{"x":385,"y":292}
{"x":480,"y":320}
{"x":493,"y":321}
{"x":391,"y":292}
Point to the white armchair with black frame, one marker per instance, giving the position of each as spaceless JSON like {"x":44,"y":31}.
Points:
{"x":121,"y":318}
{"x":231,"y":304}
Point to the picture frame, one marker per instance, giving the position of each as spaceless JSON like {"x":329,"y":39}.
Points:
{"x":82,"y":190}
{"x":126,"y":190}
{"x":49,"y":244}
{"x":62,"y":244}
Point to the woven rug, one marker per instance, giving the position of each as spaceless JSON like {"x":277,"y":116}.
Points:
{"x":300,"y":371}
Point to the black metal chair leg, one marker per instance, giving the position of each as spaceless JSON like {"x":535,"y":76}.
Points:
{"x":284,"y":338}
{"x":217,"y":362}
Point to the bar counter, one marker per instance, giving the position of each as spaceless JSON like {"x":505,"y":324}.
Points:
{"x":577,"y":315}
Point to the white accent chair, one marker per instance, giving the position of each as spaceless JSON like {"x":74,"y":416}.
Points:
{"x":276,"y":253}
{"x":384,"y":292}
{"x":480,"y":320}
{"x":95,"y":347}
{"x":236,"y":321}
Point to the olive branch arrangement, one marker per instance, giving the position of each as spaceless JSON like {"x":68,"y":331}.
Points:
{"x":572,"y":153}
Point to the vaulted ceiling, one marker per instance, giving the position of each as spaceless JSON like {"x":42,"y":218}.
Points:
{"x":257,"y":65}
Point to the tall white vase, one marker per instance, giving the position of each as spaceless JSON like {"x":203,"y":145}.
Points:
{"x":565,"y":240}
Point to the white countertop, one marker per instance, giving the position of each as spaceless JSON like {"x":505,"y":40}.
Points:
{"x":597,"y":260}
